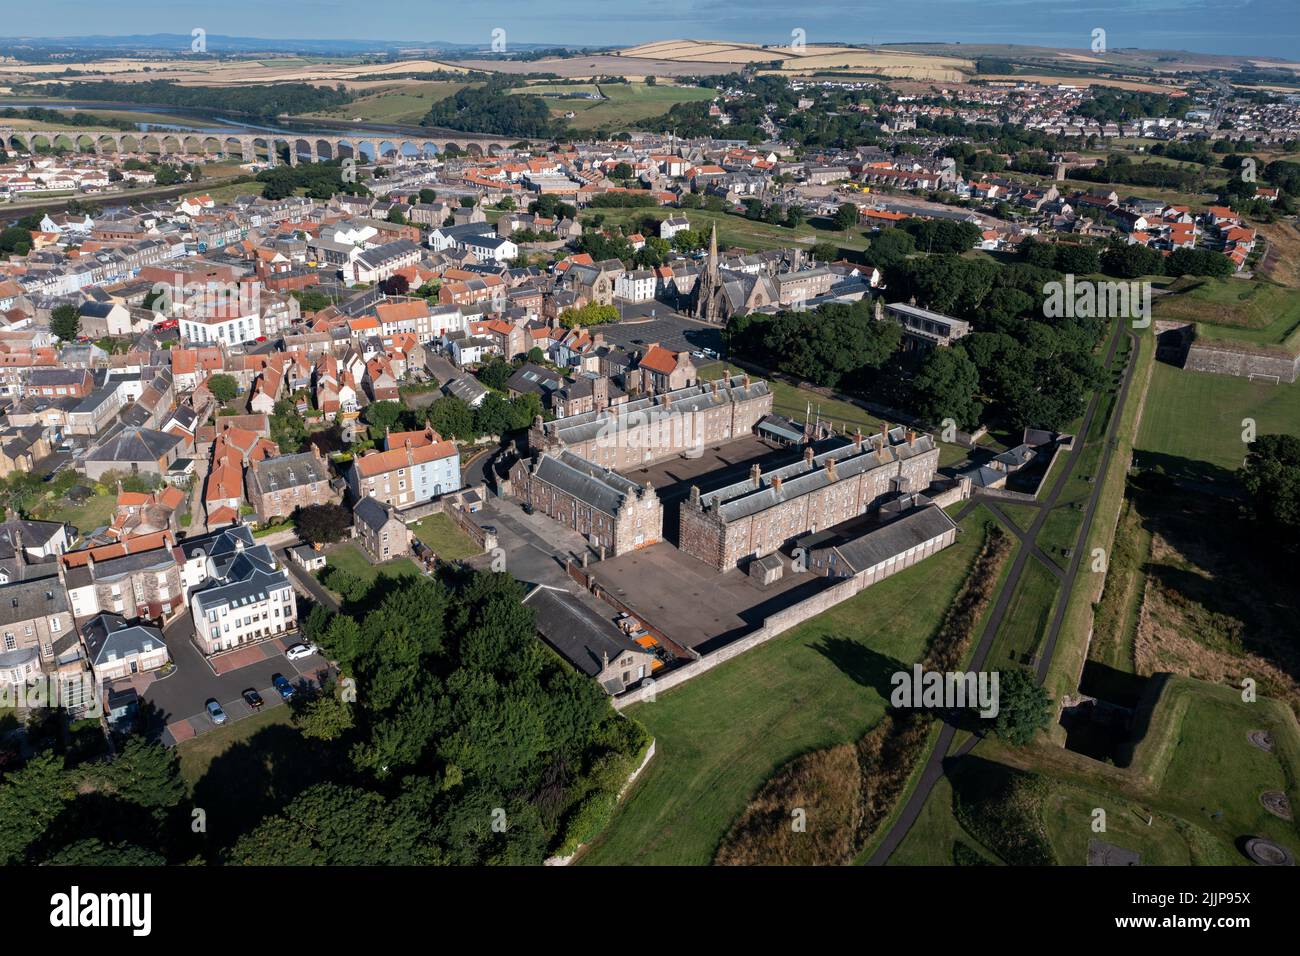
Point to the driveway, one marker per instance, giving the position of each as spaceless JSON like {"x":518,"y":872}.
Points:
{"x":181,"y":695}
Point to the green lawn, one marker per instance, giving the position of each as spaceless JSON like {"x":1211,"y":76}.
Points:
{"x":1252,"y":311}
{"x":626,"y":102}
{"x":721,"y":735}
{"x":350,"y":558}
{"x":1189,"y":795}
{"x":95,"y":512}
{"x":441,"y":535}
{"x":1194,"y":419}
{"x":1022,"y":515}
{"x":197,"y":753}
{"x":402,"y":105}
{"x":737,"y":230}
{"x":1027,"y":617}
{"x":931,"y":839}
{"x":1212,"y":734}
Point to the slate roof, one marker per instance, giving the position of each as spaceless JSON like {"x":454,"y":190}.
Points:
{"x":741,"y":499}
{"x":371,"y":513}
{"x":290,"y":471}
{"x":535,"y":379}
{"x":27,"y":600}
{"x":578,"y":634}
{"x":598,"y":487}
{"x":109,"y":637}
{"x":132,"y":443}
{"x":877,"y":546}
{"x":589,"y":425}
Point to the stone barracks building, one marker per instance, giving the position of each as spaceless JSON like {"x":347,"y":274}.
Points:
{"x":757,"y":517}
{"x":613,"y":513}
{"x":657,"y":427}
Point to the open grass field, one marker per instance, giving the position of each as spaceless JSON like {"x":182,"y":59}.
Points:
{"x":721,"y":735}
{"x":400,"y":103}
{"x":444,"y":538}
{"x":1027,"y":616}
{"x":738,"y":231}
{"x":624,"y":103}
{"x":233,"y":72}
{"x":1163,"y":803}
{"x":1194,"y":419}
{"x":1251,"y":311}
{"x":197,"y":753}
{"x":931,"y":840}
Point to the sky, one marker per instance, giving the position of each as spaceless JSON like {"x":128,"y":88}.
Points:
{"x":1259,"y":27}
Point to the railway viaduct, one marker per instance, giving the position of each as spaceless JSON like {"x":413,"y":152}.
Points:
{"x":250,"y":146}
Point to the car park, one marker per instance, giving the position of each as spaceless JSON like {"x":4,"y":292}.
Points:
{"x":216,"y":713}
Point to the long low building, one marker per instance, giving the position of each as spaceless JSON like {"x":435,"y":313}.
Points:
{"x":612,"y":512}
{"x":653,"y":428}
{"x":755,"y":517}
{"x":881,"y":551}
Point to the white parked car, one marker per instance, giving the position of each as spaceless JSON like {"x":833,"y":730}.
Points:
{"x":299,"y":651}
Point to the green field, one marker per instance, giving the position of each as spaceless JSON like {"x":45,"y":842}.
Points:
{"x":931,"y":839}
{"x":1192,"y":424}
{"x":1027,"y":617}
{"x":348,"y":557}
{"x":1252,"y":311}
{"x":441,"y":535}
{"x":1163,"y":804}
{"x":625,"y":103}
{"x":197,"y":753}
{"x":721,"y":735}
{"x":404,"y":105}
{"x":737,"y":230}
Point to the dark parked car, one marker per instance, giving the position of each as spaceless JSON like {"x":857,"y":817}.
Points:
{"x":253,"y":699}
{"x":283,"y":686}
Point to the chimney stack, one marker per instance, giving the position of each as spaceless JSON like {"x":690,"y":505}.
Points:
{"x":695,"y":496}
{"x":857,"y":440}
{"x":756,"y":475}
{"x":776,"y":483}
{"x":830,"y":470}
{"x":808,"y":455}
{"x":911,"y":437}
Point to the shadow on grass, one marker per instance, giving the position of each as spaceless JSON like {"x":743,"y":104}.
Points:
{"x":258,"y":777}
{"x":860,"y":663}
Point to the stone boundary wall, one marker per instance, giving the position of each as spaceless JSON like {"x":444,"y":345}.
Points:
{"x":1226,"y":359}
{"x":1003,"y":495}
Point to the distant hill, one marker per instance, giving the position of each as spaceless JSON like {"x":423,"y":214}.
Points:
{"x":177,"y":42}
